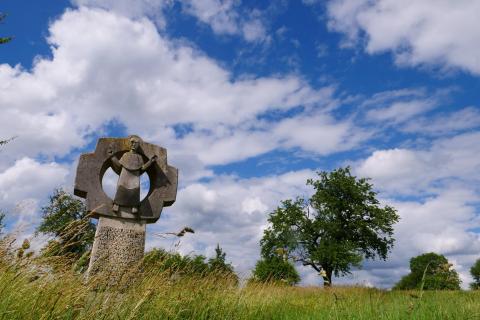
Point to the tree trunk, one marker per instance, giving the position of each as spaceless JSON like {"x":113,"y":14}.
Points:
{"x":327,"y":279}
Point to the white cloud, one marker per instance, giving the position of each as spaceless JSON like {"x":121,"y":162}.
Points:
{"x":123,"y":70}
{"x":440,"y":224}
{"x":406,"y":171}
{"x":400,"y":111}
{"x":133,"y":9}
{"x":428,"y":32}
{"x":442,"y":182}
{"x":28,"y":179}
{"x":229,"y":211}
{"x":446,"y":123}
{"x":23,"y":189}
{"x":397,"y":107}
{"x":223,"y":16}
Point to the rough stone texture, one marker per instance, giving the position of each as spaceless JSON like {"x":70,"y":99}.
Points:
{"x":120,"y":237}
{"x":119,"y":245}
{"x":92,"y":167}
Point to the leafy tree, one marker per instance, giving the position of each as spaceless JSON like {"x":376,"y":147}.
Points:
{"x":4,"y":39}
{"x":475,"y":272}
{"x":275,"y":269}
{"x":65,"y":217}
{"x":430,"y":271}
{"x":219,"y":265}
{"x":339,"y":225}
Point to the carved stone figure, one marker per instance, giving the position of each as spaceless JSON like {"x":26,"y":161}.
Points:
{"x":131,"y":167}
{"x":136,"y":157}
{"x":120,"y":237}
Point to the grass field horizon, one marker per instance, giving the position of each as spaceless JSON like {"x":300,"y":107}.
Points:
{"x":35,"y":288}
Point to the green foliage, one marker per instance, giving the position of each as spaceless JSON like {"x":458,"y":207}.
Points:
{"x":30,"y":290}
{"x":475,"y":272}
{"x":430,"y":271}
{"x":341,"y":224}
{"x":65,"y":217}
{"x":28,"y":293}
{"x":173,"y":263}
{"x":218,"y":262}
{"x":275,"y":269}
{"x":4,"y":39}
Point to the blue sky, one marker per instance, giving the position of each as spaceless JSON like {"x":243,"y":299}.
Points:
{"x":251,"y":98}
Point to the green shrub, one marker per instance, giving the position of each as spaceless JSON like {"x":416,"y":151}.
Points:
{"x":475,"y":272}
{"x":430,"y":271}
{"x":275,"y":269}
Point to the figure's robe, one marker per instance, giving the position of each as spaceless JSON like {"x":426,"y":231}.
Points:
{"x":128,"y":186}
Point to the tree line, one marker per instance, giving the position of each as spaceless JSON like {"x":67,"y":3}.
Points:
{"x":333,"y":231}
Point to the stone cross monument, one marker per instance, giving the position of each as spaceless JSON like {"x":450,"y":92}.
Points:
{"x":120,"y":237}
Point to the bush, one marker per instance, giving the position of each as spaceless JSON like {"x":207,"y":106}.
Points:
{"x":430,"y":271}
{"x":275,"y":269}
{"x":475,"y":272}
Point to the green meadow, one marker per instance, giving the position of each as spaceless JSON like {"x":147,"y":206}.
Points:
{"x":48,"y":289}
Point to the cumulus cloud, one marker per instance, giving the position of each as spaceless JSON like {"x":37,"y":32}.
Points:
{"x":133,"y":9}
{"x":28,"y":178}
{"x":229,"y":211}
{"x":410,"y":171}
{"x":440,"y":224}
{"x":224,"y":17}
{"x":23,"y":186}
{"x":124,"y":71}
{"x":440,"y":182}
{"x":430,"y":32}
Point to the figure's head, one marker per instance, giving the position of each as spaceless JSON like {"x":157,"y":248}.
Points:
{"x":134,"y":143}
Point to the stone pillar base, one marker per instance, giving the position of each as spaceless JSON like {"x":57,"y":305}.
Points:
{"x":118,"y":246}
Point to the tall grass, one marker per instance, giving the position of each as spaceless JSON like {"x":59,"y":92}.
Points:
{"x":49,"y":289}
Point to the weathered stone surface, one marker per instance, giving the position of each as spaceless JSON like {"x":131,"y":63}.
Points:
{"x":119,"y":245}
{"x":92,"y":167}
{"x":120,"y":237}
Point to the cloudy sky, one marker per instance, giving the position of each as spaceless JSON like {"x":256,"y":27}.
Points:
{"x":251,"y":98}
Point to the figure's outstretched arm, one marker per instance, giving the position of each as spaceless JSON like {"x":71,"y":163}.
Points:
{"x":149,"y":163}
{"x":117,"y":166}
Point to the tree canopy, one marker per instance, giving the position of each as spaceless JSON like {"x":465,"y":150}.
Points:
{"x":65,"y":217}
{"x":430,"y":271}
{"x":336,"y":228}
{"x":219,"y":263}
{"x":475,"y":272}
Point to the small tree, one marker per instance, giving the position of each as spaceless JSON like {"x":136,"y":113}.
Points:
{"x":275,"y":269}
{"x":430,"y":271}
{"x":341,"y":224}
{"x":219,"y":265}
{"x":65,"y":217}
{"x":475,"y":272}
